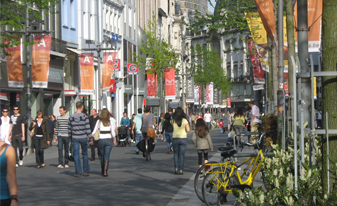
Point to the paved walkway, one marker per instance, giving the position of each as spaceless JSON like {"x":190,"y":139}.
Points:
{"x":186,"y":195}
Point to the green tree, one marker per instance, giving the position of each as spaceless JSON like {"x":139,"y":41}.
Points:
{"x":329,"y":17}
{"x":160,"y":53}
{"x":206,"y":67}
{"x":13,"y":16}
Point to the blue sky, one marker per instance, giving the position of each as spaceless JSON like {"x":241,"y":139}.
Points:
{"x":211,"y":9}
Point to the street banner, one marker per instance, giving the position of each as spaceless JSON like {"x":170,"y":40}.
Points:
{"x":229,"y":103}
{"x":170,"y":83}
{"x":152,"y":85}
{"x":108,"y":61}
{"x":14,"y":66}
{"x":315,"y":9}
{"x":266,"y":11}
{"x":258,"y":72}
{"x":259,"y":35}
{"x":209,"y":93}
{"x":132,"y":69}
{"x":190,"y":90}
{"x":40,"y":61}
{"x":87,"y":73}
{"x":197,"y":95}
{"x":216,"y":97}
{"x":117,"y":65}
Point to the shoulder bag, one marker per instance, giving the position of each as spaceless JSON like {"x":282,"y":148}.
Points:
{"x":98,"y":132}
{"x":32,"y":132}
{"x":150,"y":132}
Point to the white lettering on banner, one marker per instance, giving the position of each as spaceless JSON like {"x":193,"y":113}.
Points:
{"x":170,"y":82}
{"x":86,"y":59}
{"x":150,"y":83}
{"x":109,"y":58}
{"x":42,"y":42}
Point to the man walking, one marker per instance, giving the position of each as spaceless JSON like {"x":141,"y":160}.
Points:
{"x":92,"y":121}
{"x":18,"y":134}
{"x":79,"y":131}
{"x":137,"y":125}
{"x":61,"y":132}
{"x":208,"y":119}
{"x":255,"y":120}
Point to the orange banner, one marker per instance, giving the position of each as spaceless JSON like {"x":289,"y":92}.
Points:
{"x":14,"y":66}
{"x":40,"y":61}
{"x":315,"y":9}
{"x":108,"y":67}
{"x":170,"y":83}
{"x":87,"y":73}
{"x":266,"y":11}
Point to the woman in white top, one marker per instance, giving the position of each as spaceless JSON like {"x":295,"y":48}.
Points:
{"x":107,"y":139}
{"x":6,"y":127}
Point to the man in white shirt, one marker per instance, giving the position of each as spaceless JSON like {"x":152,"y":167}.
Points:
{"x":255,"y":120}
{"x":208,"y":119}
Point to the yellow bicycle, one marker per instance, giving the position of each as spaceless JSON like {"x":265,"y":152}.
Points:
{"x":221,"y":178}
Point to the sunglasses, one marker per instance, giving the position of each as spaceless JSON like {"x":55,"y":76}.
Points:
{"x":15,"y":109}
{"x":4,"y":111}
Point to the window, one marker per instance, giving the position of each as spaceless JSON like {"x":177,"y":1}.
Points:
{"x":72,"y":14}
{"x":235,"y":90}
{"x":248,"y":89}
{"x":65,"y":13}
{"x":85,"y":25}
{"x":241,"y":90}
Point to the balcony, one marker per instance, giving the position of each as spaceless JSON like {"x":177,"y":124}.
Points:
{"x":58,"y":45}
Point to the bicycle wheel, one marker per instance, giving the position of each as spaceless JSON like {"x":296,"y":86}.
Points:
{"x":202,"y":171}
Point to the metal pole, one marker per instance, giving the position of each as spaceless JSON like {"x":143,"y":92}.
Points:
{"x":99,"y":95}
{"x":312,"y":125}
{"x":327,"y":148}
{"x":137,"y":93}
{"x":280,"y":91}
{"x":133,"y":95}
{"x":29,"y":106}
{"x":303,"y":54}
{"x":295,"y":121}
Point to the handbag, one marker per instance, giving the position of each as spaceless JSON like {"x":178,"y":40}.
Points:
{"x":97,"y":133}
{"x":32,"y":132}
{"x":150,"y":132}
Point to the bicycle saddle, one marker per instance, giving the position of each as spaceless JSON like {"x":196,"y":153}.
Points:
{"x":224,"y":148}
{"x":228,"y":153}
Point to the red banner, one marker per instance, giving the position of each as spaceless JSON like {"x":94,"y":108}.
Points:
{"x":256,"y":64}
{"x":152,"y":85}
{"x":266,"y":11}
{"x":40,"y":61}
{"x":112,"y":85}
{"x":108,"y":61}
{"x":117,"y":65}
{"x":229,"y":103}
{"x":87,"y":73}
{"x":14,"y":66}
{"x":170,"y":83}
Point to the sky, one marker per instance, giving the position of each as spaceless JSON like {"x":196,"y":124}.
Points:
{"x":210,"y":8}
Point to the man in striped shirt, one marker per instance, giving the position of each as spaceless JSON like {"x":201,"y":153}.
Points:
{"x":79,"y":131}
{"x":62,"y":135}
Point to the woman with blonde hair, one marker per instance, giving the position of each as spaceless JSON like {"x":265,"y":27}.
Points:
{"x":40,"y":140}
{"x":107,"y":139}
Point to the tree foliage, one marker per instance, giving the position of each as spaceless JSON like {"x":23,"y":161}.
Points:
{"x":13,"y":16}
{"x":229,"y":18}
{"x":161,"y":53}
{"x":206,"y":67}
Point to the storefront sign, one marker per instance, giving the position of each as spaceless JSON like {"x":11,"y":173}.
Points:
{"x":40,"y":61}
{"x":229,"y":103}
{"x":132,"y":69}
{"x":55,"y":75}
{"x":87,"y":73}
{"x":117,"y":65}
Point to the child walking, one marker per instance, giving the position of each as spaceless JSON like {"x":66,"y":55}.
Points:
{"x":202,"y":140}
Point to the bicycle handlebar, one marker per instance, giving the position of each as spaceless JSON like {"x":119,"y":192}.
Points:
{"x":257,"y":142}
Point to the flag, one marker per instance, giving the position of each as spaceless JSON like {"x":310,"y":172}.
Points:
{"x":266,"y":11}
{"x":170,"y":83}
{"x":108,"y":63}
{"x":87,"y":73}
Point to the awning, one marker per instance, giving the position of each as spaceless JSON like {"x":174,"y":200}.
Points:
{"x":3,"y":96}
{"x":58,"y":54}
{"x":74,"y":50}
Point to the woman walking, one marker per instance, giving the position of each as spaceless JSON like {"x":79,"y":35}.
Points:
{"x":167,"y":131}
{"x":179,"y":141}
{"x":238,"y":122}
{"x":8,"y":185}
{"x":40,"y":140}
{"x":202,"y":140}
{"x":107,"y":139}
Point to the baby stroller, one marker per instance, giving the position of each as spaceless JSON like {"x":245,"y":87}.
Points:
{"x":123,"y":138}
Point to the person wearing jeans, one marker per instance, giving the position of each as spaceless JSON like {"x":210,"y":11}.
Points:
{"x":136,"y":126}
{"x":18,"y":134}
{"x":61,"y":132}
{"x":79,"y":131}
{"x":179,"y":141}
{"x":167,"y":131}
